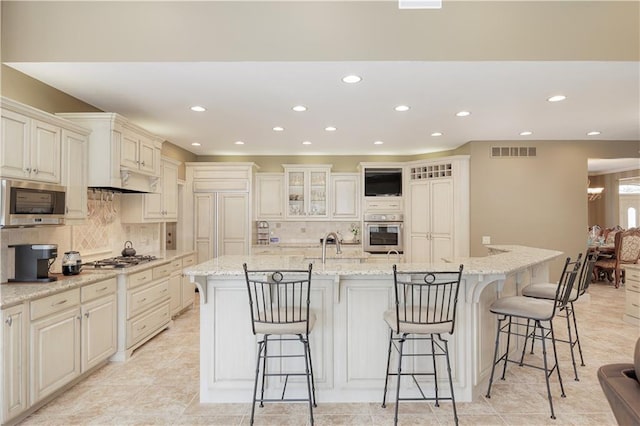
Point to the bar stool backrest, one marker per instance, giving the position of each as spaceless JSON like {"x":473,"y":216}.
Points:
{"x":586,"y":273}
{"x":279,"y":296}
{"x":427,"y":297}
{"x":565,"y":284}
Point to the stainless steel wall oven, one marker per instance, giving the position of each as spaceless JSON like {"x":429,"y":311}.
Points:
{"x":383,"y":232}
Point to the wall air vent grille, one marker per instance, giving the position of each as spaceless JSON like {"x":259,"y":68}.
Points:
{"x":513,"y":151}
{"x":434,"y":171}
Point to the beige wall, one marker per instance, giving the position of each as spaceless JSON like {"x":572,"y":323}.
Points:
{"x":539,"y":201}
{"x":22,"y":88}
{"x":177,"y":153}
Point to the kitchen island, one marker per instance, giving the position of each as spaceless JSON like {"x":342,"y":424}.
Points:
{"x":350,"y":338}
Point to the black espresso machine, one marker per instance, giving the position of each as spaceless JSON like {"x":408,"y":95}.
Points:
{"x":33,"y":262}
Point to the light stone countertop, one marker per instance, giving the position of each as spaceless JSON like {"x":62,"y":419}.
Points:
{"x":15,"y":293}
{"x":505,"y":259}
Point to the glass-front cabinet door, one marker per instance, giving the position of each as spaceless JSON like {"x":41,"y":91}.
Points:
{"x":307,"y":192}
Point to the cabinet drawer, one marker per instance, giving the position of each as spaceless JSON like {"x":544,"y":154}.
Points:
{"x":144,"y":325}
{"x":188,"y":261}
{"x":99,"y":289}
{"x":631,"y":284}
{"x":139,"y":278}
{"x":632,"y":304}
{"x":143,"y":298}
{"x":162,"y":271}
{"x":386,"y":205}
{"x":56,"y":303}
{"x":176,"y":266}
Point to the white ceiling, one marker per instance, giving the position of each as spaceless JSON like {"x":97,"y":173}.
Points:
{"x":245,"y":100}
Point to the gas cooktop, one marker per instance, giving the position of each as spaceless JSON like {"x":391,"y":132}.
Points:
{"x":121,"y":261}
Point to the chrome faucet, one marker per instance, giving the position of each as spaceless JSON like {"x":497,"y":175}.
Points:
{"x":393,"y":251}
{"x":324,"y":245}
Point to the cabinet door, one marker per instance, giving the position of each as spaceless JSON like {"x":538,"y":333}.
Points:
{"x":147,"y":156}
{"x":204,"y":217}
{"x":233,"y":214}
{"x":345,"y":196}
{"x":188,"y":288}
{"x":317,"y":194}
{"x":269,"y":196}
{"x":129,"y":150}
{"x":54,"y":352}
{"x":296,"y":184}
{"x":169,"y":190}
{"x":74,"y":173}
{"x":175,"y":294}
{"x":99,"y":331}
{"x":14,"y":149}
{"x":45,"y":151}
{"x":14,"y":362}
{"x":442,"y":214}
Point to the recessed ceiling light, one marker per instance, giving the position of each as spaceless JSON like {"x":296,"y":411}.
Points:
{"x":299,"y":108}
{"x":526,"y":133}
{"x":239,"y":143}
{"x":436,"y":134}
{"x":198,"y":108}
{"x":195,"y":144}
{"x":402,"y":108}
{"x":557,"y":98}
{"x":306,"y":143}
{"x":463,"y":113}
{"x":378,"y":143}
{"x":330,"y":129}
{"x":278,"y":129}
{"x":352,"y":79}
{"x":593,"y":133}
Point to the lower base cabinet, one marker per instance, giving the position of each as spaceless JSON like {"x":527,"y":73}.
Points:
{"x":49,"y":342}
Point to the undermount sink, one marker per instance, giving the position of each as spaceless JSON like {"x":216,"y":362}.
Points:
{"x":334,"y":260}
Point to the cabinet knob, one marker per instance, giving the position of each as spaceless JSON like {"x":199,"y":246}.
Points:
{"x":142,"y":163}
{"x":35,"y":171}
{"x":9,"y":321}
{"x":86,"y":314}
{"x":28,"y":170}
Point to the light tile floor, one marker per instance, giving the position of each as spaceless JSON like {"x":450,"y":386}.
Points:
{"x":159,"y":386}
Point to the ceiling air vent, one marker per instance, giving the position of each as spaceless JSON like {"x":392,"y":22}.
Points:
{"x":512,"y":151}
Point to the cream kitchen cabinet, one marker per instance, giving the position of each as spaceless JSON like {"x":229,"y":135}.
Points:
{"x":269,"y":196}
{"x":14,"y":361}
{"x":121,"y":154}
{"x":31,"y":144}
{"x":307,"y":191}
{"x":54,"y":353}
{"x":188,"y":288}
{"x":632,"y":294}
{"x":221,"y":224}
{"x":345,"y":196}
{"x":158,"y":207}
{"x":99,"y":322}
{"x":437,"y":219}
{"x":74,"y":173}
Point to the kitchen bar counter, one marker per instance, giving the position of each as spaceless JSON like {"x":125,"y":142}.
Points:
{"x":350,"y":338}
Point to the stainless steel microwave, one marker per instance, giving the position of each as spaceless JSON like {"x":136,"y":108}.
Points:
{"x":31,"y":204}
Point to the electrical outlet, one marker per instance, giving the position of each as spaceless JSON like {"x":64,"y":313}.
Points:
{"x":486,"y":240}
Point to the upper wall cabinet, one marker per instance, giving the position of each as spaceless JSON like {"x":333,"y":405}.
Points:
{"x":161,"y":207}
{"x":75,"y":148}
{"x":121,"y":154}
{"x":31,"y":143}
{"x":345,"y":196}
{"x":269,"y":196}
{"x":307,"y":191}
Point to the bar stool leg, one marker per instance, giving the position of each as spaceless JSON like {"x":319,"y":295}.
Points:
{"x":453,"y":399}
{"x":264,"y":370}
{"x":307,"y":370}
{"x":546,"y":367}
{"x":402,"y":339}
{"x":495,"y":356}
{"x":255,"y":383}
{"x":555,"y":354}
{"x":575,"y":327}
{"x":313,"y":382}
{"x":386,"y":377}
{"x":506,"y":354}
{"x":435,"y":370}
{"x":571,"y":342}
{"x":524,"y":345}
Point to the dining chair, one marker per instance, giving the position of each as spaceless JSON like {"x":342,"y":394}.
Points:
{"x":626,"y":251}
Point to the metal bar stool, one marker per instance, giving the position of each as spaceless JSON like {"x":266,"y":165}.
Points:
{"x":547,"y":291}
{"x":537,"y":310}
{"x":279,"y":304}
{"x":425,"y":310}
